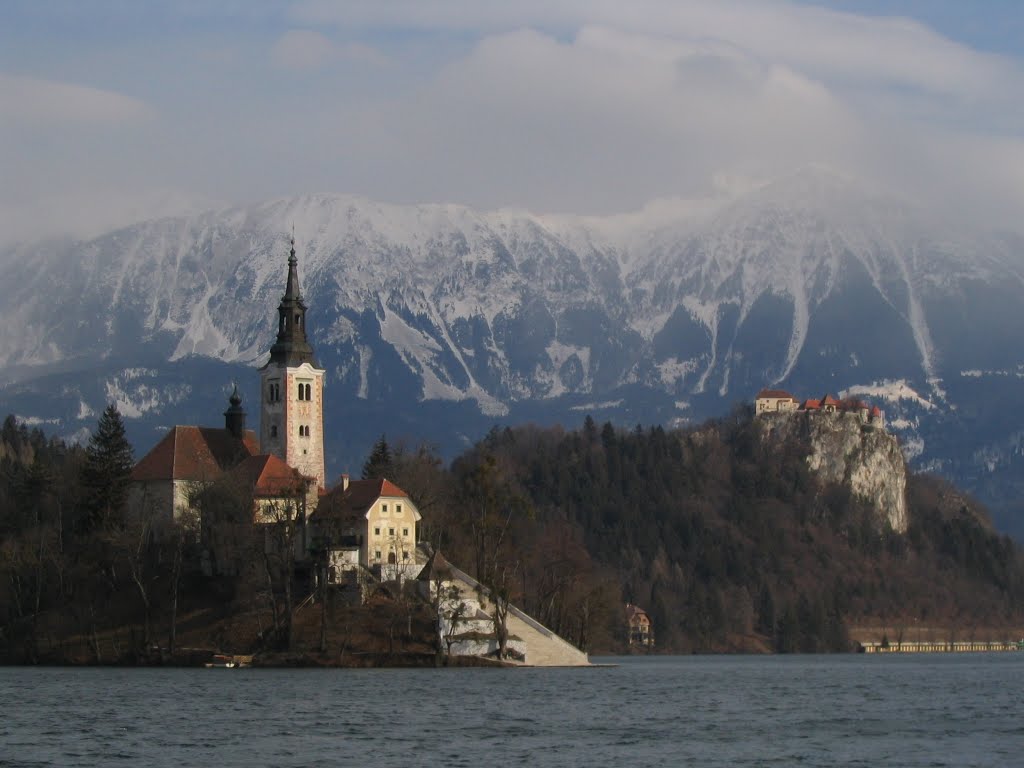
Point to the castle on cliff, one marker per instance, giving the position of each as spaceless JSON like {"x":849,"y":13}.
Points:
{"x":779,"y":401}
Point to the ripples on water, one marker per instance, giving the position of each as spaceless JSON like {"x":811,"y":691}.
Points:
{"x":948,"y":710}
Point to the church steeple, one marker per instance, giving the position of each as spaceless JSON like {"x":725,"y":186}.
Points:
{"x":291,"y":405}
{"x":292,"y":347}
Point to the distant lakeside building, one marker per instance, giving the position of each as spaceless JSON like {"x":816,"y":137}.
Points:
{"x":639,"y":628}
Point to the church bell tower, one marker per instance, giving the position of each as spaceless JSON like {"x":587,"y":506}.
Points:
{"x":291,"y":387}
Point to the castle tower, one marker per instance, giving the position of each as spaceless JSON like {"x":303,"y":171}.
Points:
{"x":291,"y":387}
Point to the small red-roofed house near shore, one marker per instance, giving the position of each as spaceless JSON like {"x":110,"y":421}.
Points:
{"x":639,"y":627}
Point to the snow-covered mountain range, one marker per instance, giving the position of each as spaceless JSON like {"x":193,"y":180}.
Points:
{"x":436,"y":321}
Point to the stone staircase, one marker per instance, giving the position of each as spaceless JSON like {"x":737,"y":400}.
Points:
{"x":543,"y":647}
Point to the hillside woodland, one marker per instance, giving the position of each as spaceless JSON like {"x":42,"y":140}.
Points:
{"x":730,"y":543}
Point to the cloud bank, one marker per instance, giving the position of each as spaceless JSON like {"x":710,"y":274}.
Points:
{"x":592,"y":107}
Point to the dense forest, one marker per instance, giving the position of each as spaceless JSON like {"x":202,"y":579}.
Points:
{"x":729,"y":543}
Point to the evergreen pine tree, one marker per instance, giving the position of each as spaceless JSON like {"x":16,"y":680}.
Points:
{"x":589,"y":430}
{"x":380,"y":462}
{"x":108,"y":466}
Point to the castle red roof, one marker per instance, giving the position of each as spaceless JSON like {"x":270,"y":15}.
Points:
{"x":829,"y":400}
{"x":876,"y":411}
{"x":811,"y":405}
{"x":194,"y":453}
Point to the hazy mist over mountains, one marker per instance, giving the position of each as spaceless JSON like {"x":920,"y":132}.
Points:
{"x":435,"y":322}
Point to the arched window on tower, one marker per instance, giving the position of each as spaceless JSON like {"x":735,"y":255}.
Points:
{"x":273,"y":430}
{"x":302,"y":392}
{"x":309,"y":392}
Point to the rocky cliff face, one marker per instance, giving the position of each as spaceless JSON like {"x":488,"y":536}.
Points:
{"x":841,"y":449}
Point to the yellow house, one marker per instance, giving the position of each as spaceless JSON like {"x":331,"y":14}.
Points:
{"x":369,"y":524}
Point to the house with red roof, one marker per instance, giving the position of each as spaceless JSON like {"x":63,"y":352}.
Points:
{"x":272,"y":483}
{"x":640,"y":630}
{"x":368,"y":524}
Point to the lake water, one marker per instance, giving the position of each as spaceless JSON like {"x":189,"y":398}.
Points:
{"x":941,"y":710}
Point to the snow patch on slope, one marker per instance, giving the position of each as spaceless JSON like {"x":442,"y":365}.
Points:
{"x":202,"y":336}
{"x":559,"y":353}
{"x":601,"y":406}
{"x":134,"y":397}
{"x":673,"y":371}
{"x":891,"y":390}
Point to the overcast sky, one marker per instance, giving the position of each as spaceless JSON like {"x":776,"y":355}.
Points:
{"x":116,"y":110}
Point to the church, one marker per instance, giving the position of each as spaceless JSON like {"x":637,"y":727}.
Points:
{"x":360,"y":531}
{"x":284,"y":466}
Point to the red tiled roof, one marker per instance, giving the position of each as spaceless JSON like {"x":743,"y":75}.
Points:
{"x":268,"y":475}
{"x":632,"y":610}
{"x":194,"y":453}
{"x":775,"y":394}
{"x":876,"y":411}
{"x":811,"y":405}
{"x":829,"y":400}
{"x":355,"y":500}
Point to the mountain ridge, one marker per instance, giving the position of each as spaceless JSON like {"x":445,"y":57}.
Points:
{"x":811,"y":283}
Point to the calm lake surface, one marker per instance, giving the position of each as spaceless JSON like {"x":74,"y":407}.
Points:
{"x":941,"y":710}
